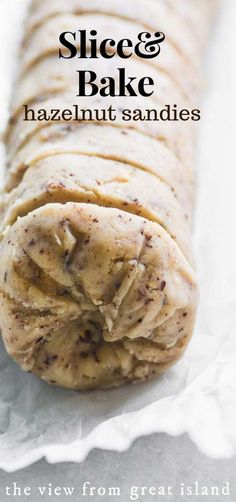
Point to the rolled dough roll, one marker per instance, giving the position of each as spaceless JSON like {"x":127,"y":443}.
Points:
{"x":97,"y":281}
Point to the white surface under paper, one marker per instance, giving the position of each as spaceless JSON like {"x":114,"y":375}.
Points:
{"x":198,"y":395}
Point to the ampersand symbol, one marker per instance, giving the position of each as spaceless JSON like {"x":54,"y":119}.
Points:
{"x":151,"y":49}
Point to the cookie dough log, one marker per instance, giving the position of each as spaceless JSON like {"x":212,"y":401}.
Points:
{"x":96,"y":276}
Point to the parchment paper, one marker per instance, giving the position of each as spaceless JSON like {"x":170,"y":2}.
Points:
{"x":198,"y":395}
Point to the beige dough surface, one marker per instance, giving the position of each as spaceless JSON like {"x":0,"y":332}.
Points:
{"x":125,"y":145}
{"x":93,"y":297}
{"x":64,"y":178}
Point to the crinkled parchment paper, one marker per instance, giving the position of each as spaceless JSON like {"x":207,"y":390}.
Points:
{"x":198,"y":395}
